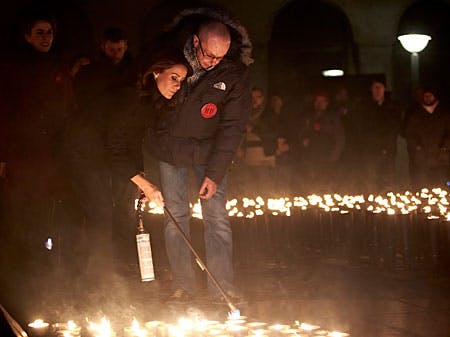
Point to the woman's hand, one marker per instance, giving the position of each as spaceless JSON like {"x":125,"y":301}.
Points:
{"x":152,"y":193}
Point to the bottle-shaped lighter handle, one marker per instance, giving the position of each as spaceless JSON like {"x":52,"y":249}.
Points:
{"x":144,"y":249}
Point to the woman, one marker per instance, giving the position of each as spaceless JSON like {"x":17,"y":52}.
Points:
{"x":105,"y":161}
{"x":34,"y":100}
{"x":161,"y":81}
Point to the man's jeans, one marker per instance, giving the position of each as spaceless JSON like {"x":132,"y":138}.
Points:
{"x":218,"y":236}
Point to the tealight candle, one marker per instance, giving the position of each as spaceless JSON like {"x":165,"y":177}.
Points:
{"x":279,"y":327}
{"x":135,"y":330}
{"x":337,"y":334}
{"x":69,"y":329}
{"x":39,"y":327}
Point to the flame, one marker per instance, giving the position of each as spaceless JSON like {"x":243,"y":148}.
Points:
{"x":38,"y":324}
{"x":308,"y":327}
{"x":102,"y":329}
{"x":337,"y":334}
{"x":429,"y":201}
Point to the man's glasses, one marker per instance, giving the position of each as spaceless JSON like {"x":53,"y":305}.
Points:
{"x":206,"y":55}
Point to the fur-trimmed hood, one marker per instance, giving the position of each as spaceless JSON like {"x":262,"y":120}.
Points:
{"x":186,"y":22}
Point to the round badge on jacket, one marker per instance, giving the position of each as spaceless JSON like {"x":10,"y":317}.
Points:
{"x":209,"y":110}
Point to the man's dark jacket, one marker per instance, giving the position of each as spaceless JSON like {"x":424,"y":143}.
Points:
{"x":380,"y":127}
{"x":208,"y":126}
{"x":428,"y":135}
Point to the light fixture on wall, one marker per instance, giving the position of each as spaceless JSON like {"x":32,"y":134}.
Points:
{"x":333,"y":73}
{"x":414,"y":44}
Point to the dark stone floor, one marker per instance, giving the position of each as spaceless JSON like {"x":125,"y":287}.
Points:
{"x":307,"y":285}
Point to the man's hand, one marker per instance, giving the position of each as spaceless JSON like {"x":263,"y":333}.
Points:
{"x":208,"y":188}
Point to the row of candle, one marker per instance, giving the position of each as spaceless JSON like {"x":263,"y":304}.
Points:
{"x":236,"y":326}
{"x":432,"y":202}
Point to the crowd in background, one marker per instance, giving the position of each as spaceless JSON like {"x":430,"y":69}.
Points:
{"x":333,"y":142}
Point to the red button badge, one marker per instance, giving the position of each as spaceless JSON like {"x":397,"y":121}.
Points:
{"x":209,"y":110}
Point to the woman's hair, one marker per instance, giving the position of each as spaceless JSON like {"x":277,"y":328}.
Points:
{"x":162,"y":60}
{"x":31,"y":19}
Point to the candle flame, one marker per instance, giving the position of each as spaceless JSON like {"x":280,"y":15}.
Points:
{"x":38,"y":323}
{"x":102,"y":329}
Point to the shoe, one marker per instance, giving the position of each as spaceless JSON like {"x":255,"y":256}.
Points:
{"x":180,"y":296}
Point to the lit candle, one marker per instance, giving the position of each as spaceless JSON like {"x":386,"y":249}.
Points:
{"x":337,"y":334}
{"x":69,"y":329}
{"x":102,"y":329}
{"x":39,"y":327}
{"x":135,"y":330}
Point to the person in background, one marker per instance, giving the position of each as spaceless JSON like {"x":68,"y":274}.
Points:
{"x":258,"y":106}
{"x":344,"y":106}
{"x":34,"y":107}
{"x":279,"y":122}
{"x":321,"y":141}
{"x":380,"y":126}
{"x":427,"y":134}
{"x":113,"y":68}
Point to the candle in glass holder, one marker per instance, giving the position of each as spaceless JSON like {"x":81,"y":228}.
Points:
{"x":278,"y":327}
{"x":69,"y":329}
{"x":308,"y":327}
{"x":135,"y":330}
{"x":337,"y":334}
{"x":102,"y":329}
{"x":39,"y":327}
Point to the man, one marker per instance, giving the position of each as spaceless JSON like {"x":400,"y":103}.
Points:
{"x":204,"y":136}
{"x":380,"y":126}
{"x":113,"y":68}
{"x":258,"y":106}
{"x":428,"y":135}
{"x":96,"y":85}
{"x":321,"y":142}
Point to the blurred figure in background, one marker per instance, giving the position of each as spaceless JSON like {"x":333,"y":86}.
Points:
{"x":257,"y":161}
{"x":113,"y":68}
{"x":35,"y":101}
{"x":258,"y":106}
{"x":379,"y":128}
{"x":321,"y":141}
{"x":428,"y":135}
{"x":345,"y":109}
{"x":279,"y":122}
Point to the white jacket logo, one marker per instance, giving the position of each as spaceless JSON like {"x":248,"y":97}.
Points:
{"x":220,"y":86}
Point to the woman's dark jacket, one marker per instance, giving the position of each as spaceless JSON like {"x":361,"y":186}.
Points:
{"x":35,"y":99}
{"x":109,"y":135}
